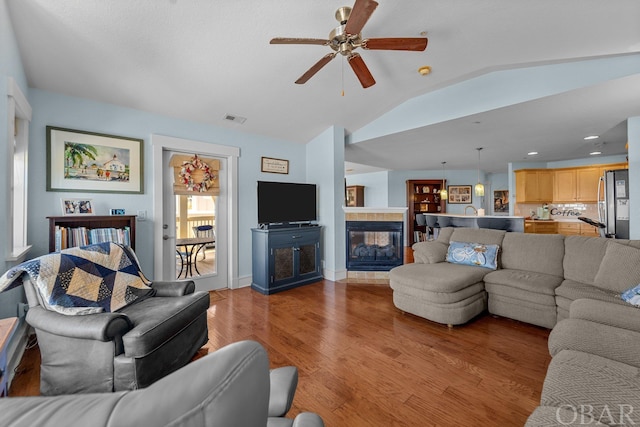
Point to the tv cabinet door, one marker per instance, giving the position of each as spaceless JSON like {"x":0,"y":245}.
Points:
{"x":283,"y":264}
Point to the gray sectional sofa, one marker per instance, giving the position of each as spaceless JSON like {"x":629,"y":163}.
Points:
{"x":570,"y":284}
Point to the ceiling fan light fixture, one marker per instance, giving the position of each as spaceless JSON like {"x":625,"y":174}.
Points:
{"x":424,"y":71}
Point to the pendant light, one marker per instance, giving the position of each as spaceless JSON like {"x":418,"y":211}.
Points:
{"x":443,"y":190}
{"x":479,"y":188}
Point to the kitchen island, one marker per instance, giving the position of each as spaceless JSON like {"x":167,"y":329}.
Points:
{"x":501,"y":222}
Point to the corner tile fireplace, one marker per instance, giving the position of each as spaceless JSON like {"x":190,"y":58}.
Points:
{"x":376,"y":238}
{"x":374,"y":245}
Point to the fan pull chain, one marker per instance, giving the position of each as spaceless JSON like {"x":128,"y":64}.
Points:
{"x":343,"y":76}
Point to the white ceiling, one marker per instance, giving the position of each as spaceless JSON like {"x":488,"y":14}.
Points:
{"x":202,"y":59}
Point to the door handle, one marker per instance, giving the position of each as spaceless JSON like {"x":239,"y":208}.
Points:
{"x":165,"y":237}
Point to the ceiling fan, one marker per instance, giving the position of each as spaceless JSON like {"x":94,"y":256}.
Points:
{"x":346,"y":38}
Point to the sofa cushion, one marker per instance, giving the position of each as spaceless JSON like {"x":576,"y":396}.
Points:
{"x":157,"y":318}
{"x":620,"y":268}
{"x":455,"y":313}
{"x":582,"y":257}
{"x":574,"y":290}
{"x":607,"y":341}
{"x":477,"y":235}
{"x":441,"y":277}
{"x":429,"y":252}
{"x":525,"y":280}
{"x":594,"y":385}
{"x":540,"y":253}
{"x":479,"y":254}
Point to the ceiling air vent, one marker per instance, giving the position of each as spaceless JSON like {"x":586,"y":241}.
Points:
{"x":235,"y":119}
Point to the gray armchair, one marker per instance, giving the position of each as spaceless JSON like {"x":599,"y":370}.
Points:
{"x":227,"y":388}
{"x":123,"y":350}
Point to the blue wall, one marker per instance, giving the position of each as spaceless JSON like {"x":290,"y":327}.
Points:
{"x":10,"y":67}
{"x":77,"y":113}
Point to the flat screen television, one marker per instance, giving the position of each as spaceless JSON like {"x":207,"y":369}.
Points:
{"x":286,"y":202}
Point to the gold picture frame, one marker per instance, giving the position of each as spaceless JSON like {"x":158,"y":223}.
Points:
{"x":271,"y":165}
{"x":459,"y":194}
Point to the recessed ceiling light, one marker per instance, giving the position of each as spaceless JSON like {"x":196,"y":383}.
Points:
{"x":586,"y":138}
{"x":595,"y":153}
{"x":424,"y":70}
{"x":532,"y":153}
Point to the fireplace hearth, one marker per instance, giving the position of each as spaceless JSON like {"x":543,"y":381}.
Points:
{"x":374,"y":245}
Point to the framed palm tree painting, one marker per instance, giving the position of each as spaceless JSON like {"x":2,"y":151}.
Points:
{"x":82,"y":161}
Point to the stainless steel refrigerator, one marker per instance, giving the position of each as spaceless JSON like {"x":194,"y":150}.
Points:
{"x":613,"y":203}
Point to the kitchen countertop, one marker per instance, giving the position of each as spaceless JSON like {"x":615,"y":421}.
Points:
{"x":475,"y":216}
{"x":502,"y":222}
{"x":555,"y":220}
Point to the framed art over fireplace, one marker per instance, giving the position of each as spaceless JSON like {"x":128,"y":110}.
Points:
{"x":82,"y":161}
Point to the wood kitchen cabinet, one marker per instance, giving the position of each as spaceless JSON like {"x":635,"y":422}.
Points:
{"x":541,"y":227}
{"x":576,"y":185}
{"x":534,"y":185}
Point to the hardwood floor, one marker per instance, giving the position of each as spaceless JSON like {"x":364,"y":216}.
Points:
{"x":362,"y":362}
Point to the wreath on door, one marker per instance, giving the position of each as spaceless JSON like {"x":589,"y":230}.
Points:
{"x":188,"y":166}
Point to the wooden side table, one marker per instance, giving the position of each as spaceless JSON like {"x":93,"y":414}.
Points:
{"x":7,"y":328}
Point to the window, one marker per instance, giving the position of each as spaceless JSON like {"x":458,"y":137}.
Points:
{"x":19,"y":113}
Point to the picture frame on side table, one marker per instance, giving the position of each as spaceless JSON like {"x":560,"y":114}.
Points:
{"x":459,"y":194}
{"x":74,"y":206}
{"x":82,"y":161}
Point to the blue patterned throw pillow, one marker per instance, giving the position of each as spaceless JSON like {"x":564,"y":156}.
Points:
{"x":477,"y":254}
{"x":632,"y":296}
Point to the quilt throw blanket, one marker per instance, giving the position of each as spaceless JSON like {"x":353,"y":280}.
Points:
{"x":82,"y":280}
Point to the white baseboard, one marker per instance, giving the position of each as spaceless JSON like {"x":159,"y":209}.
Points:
{"x":334,"y":275}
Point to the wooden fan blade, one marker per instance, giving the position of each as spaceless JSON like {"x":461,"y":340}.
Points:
{"x":315,"y":68}
{"x":360,"y":14}
{"x":294,"y":40}
{"x":407,"y":43}
{"x":361,"y":70}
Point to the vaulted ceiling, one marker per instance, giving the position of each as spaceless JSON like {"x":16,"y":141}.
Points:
{"x":202,"y":60}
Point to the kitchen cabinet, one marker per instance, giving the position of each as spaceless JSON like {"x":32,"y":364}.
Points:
{"x":564,"y":188}
{"x":541,"y":227}
{"x":534,"y":185}
{"x":569,"y":228}
{"x":576,"y":185}
{"x":589,"y":230}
